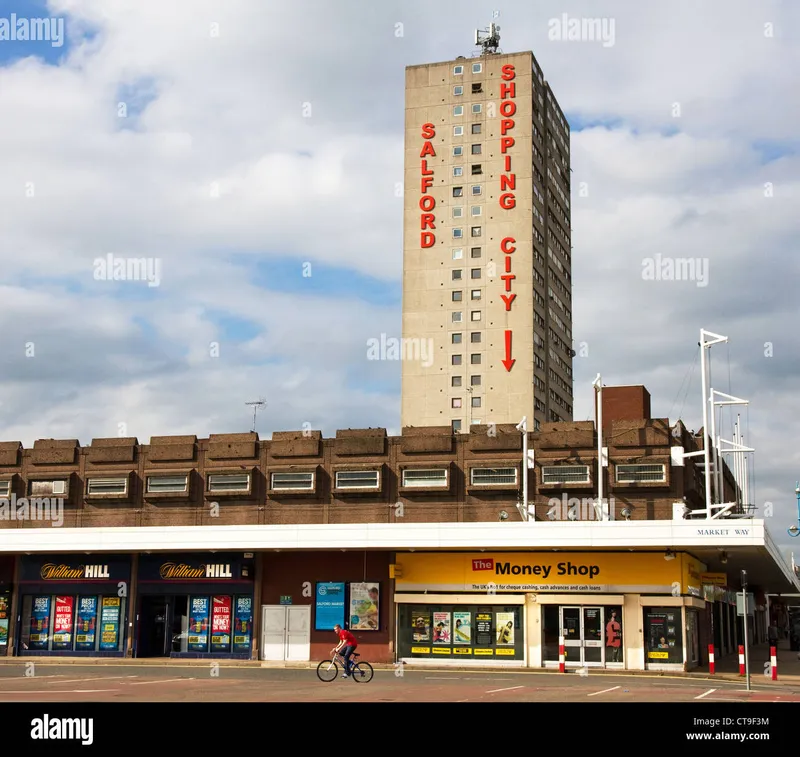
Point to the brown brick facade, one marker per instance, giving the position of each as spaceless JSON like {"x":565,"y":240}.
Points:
{"x":461,"y":500}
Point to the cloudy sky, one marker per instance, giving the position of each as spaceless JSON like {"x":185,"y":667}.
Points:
{"x":250,"y":151}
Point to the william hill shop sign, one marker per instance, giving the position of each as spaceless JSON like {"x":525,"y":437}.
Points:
{"x":171,"y":571}
{"x":96,"y":570}
{"x":54,"y":572}
{"x":195,"y":570}
{"x":548,"y":572}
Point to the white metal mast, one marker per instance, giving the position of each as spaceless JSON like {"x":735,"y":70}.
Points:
{"x":704,"y":346}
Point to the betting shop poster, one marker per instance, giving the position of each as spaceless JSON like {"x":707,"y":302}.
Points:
{"x":40,"y":622}
{"x":109,"y":623}
{"x":85,"y":631}
{"x":243,"y":624}
{"x":221,"y":624}
{"x":3,"y":619}
{"x":198,"y":624}
{"x":62,"y":627}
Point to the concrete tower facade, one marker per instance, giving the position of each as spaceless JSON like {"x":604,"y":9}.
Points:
{"x":487,"y":280}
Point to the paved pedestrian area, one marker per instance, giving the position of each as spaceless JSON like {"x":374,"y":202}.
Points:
{"x":220,"y":684}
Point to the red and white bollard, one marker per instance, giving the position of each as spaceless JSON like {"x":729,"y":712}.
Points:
{"x":711,"y":659}
{"x":741,"y":659}
{"x":562,"y":667}
{"x":773,"y":662}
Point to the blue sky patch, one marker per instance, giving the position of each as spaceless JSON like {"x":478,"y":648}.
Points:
{"x":293,"y":276}
{"x":29,"y":29}
{"x":132,"y":100}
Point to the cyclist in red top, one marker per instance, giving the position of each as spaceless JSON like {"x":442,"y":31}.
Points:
{"x":347,"y":645}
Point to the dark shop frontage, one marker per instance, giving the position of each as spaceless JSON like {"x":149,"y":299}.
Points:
{"x":6,"y":583}
{"x":73,"y":606}
{"x":195,"y":605}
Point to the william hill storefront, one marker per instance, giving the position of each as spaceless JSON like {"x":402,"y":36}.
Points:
{"x":197,"y":605}
{"x":612,"y":609}
{"x":72,"y":606}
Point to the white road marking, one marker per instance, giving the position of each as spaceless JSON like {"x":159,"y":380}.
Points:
{"x":160,"y":680}
{"x":50,"y":691}
{"x":103,"y":678}
{"x":702,"y":696}
{"x":510,"y":688}
{"x":29,"y":678}
{"x":488,"y":679}
{"x":441,"y":679}
{"x":604,"y":691}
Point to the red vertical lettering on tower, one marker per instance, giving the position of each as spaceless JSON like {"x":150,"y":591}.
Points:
{"x":508,"y":184}
{"x":427,"y":203}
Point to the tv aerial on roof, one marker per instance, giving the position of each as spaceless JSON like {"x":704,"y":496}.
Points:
{"x":488,"y":39}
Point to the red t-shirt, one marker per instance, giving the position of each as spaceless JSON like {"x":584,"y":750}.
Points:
{"x":346,"y":636}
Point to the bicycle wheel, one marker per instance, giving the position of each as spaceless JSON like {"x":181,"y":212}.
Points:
{"x":327,"y":671}
{"x":362,"y":671}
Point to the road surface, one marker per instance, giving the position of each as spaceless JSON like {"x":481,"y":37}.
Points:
{"x":174,"y":683}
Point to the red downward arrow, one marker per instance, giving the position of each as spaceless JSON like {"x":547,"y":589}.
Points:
{"x":508,"y":362}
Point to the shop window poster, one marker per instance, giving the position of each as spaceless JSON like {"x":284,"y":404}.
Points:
{"x":665,"y":642}
{"x":109,"y":624}
{"x":364,"y":607}
{"x":62,"y":626}
{"x":462,"y":630}
{"x":329,"y":606}
{"x":198,"y":624}
{"x":613,"y":635}
{"x":421,"y":626}
{"x":242,"y":624}
{"x":441,"y":628}
{"x":221,"y":624}
{"x":483,"y":629}
{"x":4,"y":619}
{"x":40,"y":622}
{"x":504,"y":622}
{"x":85,"y":631}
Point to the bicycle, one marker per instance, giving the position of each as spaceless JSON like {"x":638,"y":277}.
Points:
{"x":328,"y":670}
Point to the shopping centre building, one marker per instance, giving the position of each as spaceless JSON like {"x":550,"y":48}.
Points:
{"x":237,"y":547}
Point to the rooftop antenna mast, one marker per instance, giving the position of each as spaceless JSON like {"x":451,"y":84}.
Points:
{"x":488,"y":39}
{"x":257,"y":405}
